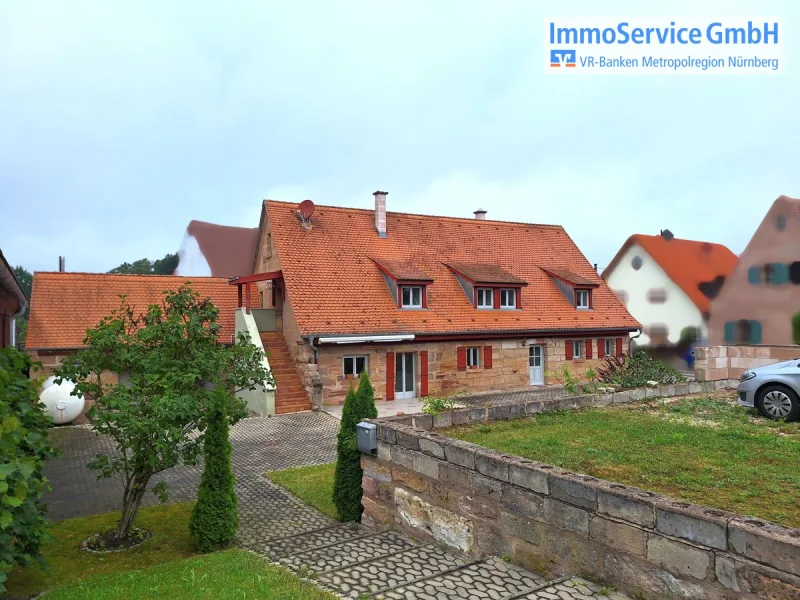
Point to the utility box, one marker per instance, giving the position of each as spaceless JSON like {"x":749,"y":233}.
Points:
{"x":367,"y":438}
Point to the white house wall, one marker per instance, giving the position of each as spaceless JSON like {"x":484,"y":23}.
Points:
{"x":191,"y":262}
{"x":632,"y":286}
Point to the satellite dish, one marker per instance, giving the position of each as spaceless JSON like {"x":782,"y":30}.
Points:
{"x":306,"y":209}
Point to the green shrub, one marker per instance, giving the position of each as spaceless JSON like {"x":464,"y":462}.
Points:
{"x":433,"y":405}
{"x":635,"y":371}
{"x":565,"y":377}
{"x":214,"y":519}
{"x":24,"y":447}
{"x":358,"y":405}
{"x":796,"y":328}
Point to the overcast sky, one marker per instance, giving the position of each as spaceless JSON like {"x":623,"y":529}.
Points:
{"x":123,"y":121}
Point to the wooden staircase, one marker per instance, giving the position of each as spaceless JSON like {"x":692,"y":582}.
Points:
{"x":290,"y":396}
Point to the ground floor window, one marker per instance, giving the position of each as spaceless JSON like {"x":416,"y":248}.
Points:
{"x":355,"y":365}
{"x":577,"y":349}
{"x":473,"y":356}
{"x":607,"y":350}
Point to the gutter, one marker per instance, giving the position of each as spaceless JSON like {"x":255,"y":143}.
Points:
{"x":630,"y":341}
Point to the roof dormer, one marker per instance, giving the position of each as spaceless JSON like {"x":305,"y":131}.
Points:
{"x":578,"y":290}
{"x":407,"y":284}
{"x":489,"y":287}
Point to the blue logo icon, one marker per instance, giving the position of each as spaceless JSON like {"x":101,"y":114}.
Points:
{"x":562,"y":58}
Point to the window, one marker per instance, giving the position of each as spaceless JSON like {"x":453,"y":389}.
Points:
{"x":743,"y":331}
{"x":577,"y":349}
{"x":582,"y":299}
{"x":485,"y":298}
{"x":607,"y":349}
{"x":508,"y":298}
{"x":473,"y":355}
{"x":353,"y":366}
{"x":412,"y":296}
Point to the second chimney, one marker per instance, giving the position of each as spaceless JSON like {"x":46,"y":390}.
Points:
{"x":61,"y":264}
{"x":380,"y":212}
{"x":480,"y":214}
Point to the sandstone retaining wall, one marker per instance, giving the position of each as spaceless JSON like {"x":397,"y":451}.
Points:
{"x":548,"y":519}
{"x":729,"y":362}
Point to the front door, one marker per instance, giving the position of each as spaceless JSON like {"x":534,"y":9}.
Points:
{"x":404,"y":375}
{"x":536,"y":364}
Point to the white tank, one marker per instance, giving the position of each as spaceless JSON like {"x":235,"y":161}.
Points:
{"x":59,"y":404}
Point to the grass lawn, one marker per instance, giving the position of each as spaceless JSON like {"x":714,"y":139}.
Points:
{"x":314,"y":485}
{"x":168,"y":523}
{"x":232,"y":574}
{"x":706,"y":450}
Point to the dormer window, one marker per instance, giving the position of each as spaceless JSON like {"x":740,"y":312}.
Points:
{"x":582,"y":299}
{"x":508,"y":298}
{"x":485,"y":298}
{"x":411,"y":296}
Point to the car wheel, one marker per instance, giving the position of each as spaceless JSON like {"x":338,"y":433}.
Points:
{"x":779,"y":402}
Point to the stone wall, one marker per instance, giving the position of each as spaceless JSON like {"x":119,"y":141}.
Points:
{"x":509,"y":366}
{"x":552,"y":520}
{"x":729,"y":362}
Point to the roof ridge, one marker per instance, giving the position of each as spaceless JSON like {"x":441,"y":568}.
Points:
{"x":417,"y":215}
{"x":677,"y":239}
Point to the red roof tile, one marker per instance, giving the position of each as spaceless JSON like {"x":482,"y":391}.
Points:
{"x":402,"y":271}
{"x":64,"y":305}
{"x":569,"y":276}
{"x":334,"y":287}
{"x":483,"y":273}
{"x":686,"y":262}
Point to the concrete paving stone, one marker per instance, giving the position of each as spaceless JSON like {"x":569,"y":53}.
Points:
{"x":348,"y":553}
{"x":313,"y":540}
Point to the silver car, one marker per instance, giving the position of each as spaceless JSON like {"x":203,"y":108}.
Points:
{"x":774,"y":390}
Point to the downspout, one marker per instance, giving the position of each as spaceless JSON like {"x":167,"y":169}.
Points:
{"x":14,"y":318}
{"x":630,"y":341}
{"x":310,"y":340}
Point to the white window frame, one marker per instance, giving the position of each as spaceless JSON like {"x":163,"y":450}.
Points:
{"x":482,"y":293}
{"x":509,"y":293}
{"x":608,"y":347}
{"x":421,"y":289}
{"x":354,"y":357}
{"x":473,"y":357}
{"x":578,"y":349}
{"x":578,"y":304}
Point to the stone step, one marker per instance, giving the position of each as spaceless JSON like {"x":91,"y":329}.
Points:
{"x":492,"y":579}
{"x":314,"y":540}
{"x":348,"y":553}
{"x":388,"y":572}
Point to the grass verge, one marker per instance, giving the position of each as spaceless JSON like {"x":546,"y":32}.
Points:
{"x":232,"y":574}
{"x":314,"y":485}
{"x":706,"y":450}
{"x":169,"y":525}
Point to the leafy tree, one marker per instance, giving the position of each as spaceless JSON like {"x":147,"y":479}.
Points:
{"x":173,"y":371}
{"x":358,"y":405}
{"x":796,"y":328}
{"x":214,"y":518}
{"x":25,"y":279}
{"x":144,"y":266}
{"x":24,"y":447}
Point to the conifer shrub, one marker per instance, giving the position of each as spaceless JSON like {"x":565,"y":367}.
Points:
{"x":214,"y":518}
{"x":358,"y":405}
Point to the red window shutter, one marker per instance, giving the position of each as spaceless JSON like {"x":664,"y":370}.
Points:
{"x":461,"y":358}
{"x":619,"y":346}
{"x":423,"y":371}
{"x":591,"y":302}
{"x":518,"y":293}
{"x":601,"y":348}
{"x":390,"y":375}
{"x":496,"y":297}
{"x":475,"y":297}
{"x":487,"y":357}
{"x":568,"y":349}
{"x":424,"y":296}
{"x":399,"y":296}
{"x":588,"y":346}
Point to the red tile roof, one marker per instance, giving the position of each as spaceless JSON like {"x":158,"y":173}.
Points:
{"x":334,"y":287}
{"x":483,"y":273}
{"x":686,"y":262}
{"x":569,"y":276}
{"x":402,"y":271}
{"x":64,"y":305}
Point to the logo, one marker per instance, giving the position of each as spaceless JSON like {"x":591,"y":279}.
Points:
{"x":562,"y":58}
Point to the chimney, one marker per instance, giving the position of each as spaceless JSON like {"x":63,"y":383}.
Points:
{"x":380,"y":212}
{"x":595,"y":267}
{"x":480,"y":214}
{"x":61,"y":266}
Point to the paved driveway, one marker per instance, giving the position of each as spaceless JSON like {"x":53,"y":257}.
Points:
{"x":259,"y":444}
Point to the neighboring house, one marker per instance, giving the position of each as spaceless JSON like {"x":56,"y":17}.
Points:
{"x":762,"y":293}
{"x":667,"y":284}
{"x":210,"y":250}
{"x":13,"y":303}
{"x":428,"y":305}
{"x":65,"y":305}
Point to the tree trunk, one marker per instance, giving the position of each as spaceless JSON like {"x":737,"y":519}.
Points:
{"x":130,"y":506}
